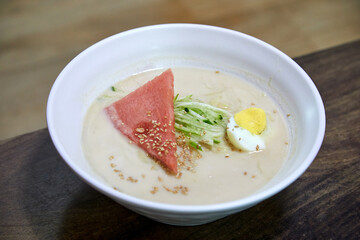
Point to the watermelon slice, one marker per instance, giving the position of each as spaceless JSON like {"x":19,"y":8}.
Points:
{"x":146,"y":117}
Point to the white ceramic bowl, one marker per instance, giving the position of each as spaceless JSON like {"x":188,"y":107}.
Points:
{"x":126,"y":53}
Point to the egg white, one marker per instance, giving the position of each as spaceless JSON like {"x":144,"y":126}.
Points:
{"x":243,"y":139}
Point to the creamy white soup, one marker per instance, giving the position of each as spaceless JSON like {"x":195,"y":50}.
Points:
{"x":213,"y":175}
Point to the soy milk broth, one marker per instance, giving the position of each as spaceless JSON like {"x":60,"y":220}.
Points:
{"x":220,"y":176}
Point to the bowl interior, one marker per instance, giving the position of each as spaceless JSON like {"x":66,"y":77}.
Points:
{"x":162,"y":46}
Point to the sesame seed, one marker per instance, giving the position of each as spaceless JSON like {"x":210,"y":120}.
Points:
{"x":140,"y":130}
{"x":178,"y":175}
{"x":154,"y":190}
{"x":130,"y":179}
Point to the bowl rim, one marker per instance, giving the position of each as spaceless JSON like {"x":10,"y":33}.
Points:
{"x":177,"y":208}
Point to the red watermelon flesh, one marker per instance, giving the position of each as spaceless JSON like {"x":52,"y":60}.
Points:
{"x":146,"y":117}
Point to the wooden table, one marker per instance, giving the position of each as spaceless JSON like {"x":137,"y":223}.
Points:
{"x":41,"y":198}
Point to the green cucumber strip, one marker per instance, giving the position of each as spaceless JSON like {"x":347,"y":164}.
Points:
{"x":200,"y":122}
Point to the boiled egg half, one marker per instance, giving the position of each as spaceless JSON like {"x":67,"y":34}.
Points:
{"x":244,"y":129}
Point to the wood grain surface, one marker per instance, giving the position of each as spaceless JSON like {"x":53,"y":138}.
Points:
{"x":41,"y":198}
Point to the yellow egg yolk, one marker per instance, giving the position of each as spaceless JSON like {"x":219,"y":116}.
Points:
{"x":252,"y":119}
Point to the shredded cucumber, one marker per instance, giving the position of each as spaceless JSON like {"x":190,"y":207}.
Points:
{"x":201,"y":123}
